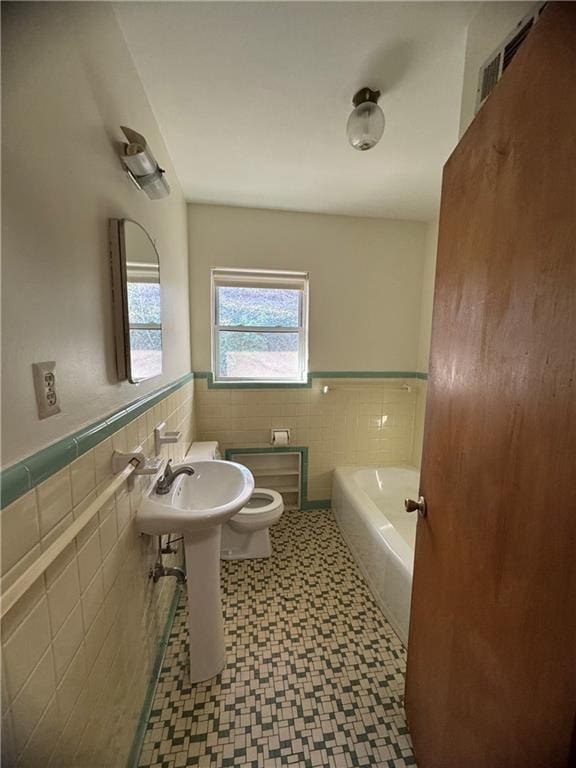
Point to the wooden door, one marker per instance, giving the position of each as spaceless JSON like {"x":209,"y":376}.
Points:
{"x":491,"y":679}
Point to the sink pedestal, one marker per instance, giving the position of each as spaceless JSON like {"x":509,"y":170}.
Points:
{"x":205,"y":621}
{"x":200,"y":496}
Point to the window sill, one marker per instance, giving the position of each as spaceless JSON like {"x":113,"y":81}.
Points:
{"x":214,"y":383}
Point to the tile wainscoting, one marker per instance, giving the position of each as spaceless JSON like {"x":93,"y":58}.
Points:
{"x":79,"y":648}
{"x":359,"y":421}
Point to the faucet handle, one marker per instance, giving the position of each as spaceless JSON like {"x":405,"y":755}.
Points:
{"x":165,"y":481}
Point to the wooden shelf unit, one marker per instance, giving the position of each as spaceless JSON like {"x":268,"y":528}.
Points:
{"x":279,"y":470}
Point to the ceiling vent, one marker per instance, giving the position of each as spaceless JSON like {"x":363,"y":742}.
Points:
{"x":495,"y":65}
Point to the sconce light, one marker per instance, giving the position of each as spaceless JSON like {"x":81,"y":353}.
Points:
{"x":366,"y":122}
{"x":140,"y":164}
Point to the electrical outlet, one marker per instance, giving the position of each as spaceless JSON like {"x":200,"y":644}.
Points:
{"x":45,"y":386}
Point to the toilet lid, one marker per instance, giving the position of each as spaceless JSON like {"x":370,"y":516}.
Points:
{"x":262,"y":500}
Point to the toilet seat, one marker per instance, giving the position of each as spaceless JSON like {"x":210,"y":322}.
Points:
{"x":253,"y":518}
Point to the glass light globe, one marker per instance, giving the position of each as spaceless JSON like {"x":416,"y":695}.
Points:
{"x":365,"y":125}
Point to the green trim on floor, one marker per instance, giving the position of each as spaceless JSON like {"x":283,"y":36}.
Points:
{"x":316,"y":504}
{"x":138,"y":741}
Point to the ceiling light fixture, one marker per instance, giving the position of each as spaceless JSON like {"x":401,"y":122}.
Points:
{"x":366,"y":122}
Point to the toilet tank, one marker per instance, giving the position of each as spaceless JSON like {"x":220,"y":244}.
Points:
{"x":203,"y":451}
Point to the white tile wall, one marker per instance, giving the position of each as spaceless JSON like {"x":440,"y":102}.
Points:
{"x":359,"y":422}
{"x":102,"y":460}
{"x":63,"y":586}
{"x":44,"y":737}
{"x":78,"y":648}
{"x":31,"y":701}
{"x":54,"y":499}
{"x":24,"y":648}
{"x":83,"y":472}
{"x":66,"y":642}
{"x":20,"y":530}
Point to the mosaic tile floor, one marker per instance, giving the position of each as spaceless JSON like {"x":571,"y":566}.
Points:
{"x":314,"y":673}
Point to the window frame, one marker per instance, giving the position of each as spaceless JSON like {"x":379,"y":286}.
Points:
{"x":260,"y":278}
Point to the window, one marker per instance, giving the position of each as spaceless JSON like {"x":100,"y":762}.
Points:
{"x":260,"y":328}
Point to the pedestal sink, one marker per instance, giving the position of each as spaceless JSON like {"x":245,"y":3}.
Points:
{"x":196,"y":507}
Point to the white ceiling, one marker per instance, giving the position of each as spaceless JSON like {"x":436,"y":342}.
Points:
{"x":252,"y":99}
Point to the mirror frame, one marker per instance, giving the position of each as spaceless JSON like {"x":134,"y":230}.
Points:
{"x":117,"y":236}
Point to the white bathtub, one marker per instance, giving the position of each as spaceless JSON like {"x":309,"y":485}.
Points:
{"x":368,"y":503}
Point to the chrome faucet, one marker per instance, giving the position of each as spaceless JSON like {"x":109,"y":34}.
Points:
{"x":164,"y":484}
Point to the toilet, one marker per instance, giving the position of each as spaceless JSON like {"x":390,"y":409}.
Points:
{"x":245,"y":536}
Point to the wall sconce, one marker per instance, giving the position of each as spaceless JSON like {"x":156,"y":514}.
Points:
{"x":140,"y":164}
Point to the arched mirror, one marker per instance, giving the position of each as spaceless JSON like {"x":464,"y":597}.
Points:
{"x":137,"y":301}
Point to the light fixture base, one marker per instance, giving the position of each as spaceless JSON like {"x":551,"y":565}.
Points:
{"x":364,"y":95}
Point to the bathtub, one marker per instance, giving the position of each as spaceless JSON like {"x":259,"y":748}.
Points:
{"x":368,"y":503}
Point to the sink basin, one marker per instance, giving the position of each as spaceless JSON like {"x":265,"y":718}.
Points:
{"x":196,"y":506}
{"x":212,"y":495}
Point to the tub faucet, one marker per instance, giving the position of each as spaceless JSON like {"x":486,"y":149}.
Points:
{"x":164,"y":484}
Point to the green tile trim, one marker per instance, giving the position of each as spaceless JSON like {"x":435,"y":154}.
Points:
{"x":305,"y":502}
{"x":364,"y":375}
{"x":317,"y":504}
{"x":209,"y":376}
{"x":91,"y":436}
{"x":138,"y":741}
{"x":21,"y":477}
{"x":51,"y":459}
{"x":15,"y":482}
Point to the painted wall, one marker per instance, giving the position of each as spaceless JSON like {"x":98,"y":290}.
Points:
{"x":426,"y":305}
{"x":427,"y":294}
{"x":488,"y":28}
{"x":365,"y":280}
{"x":68,"y":83}
{"x":365,"y":294}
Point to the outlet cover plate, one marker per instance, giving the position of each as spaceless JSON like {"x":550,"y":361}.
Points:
{"x":45,"y":386}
